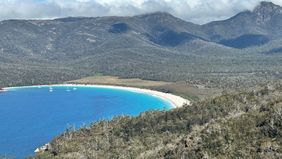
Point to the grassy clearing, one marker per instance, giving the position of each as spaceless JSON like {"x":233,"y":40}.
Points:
{"x":183,"y":89}
{"x":112,"y":80}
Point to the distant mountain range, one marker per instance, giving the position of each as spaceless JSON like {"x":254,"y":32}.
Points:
{"x":127,"y":46}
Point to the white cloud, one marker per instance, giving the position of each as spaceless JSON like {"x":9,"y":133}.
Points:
{"x":197,"y":11}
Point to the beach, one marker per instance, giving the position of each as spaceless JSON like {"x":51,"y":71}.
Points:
{"x":2,"y":90}
{"x":174,"y":100}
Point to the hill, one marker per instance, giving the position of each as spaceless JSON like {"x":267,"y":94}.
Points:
{"x":248,"y":28}
{"x":239,"y":53}
{"x":244,"y":49}
{"x":233,"y":125}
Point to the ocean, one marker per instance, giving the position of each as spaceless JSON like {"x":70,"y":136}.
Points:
{"x":32,"y":116}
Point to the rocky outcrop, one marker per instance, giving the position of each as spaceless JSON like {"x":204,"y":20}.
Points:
{"x":266,"y":11}
{"x":46,"y":147}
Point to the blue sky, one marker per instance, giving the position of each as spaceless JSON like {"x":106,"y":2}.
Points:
{"x":197,"y":11}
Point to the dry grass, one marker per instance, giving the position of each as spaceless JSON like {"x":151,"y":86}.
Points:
{"x":184,"y":89}
{"x":111,"y":80}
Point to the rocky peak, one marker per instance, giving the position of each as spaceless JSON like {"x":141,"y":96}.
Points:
{"x":157,"y":17}
{"x":156,"y":14}
{"x":266,"y":10}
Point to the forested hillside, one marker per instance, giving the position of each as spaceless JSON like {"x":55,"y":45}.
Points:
{"x":241,"y":51}
{"x":233,"y":125}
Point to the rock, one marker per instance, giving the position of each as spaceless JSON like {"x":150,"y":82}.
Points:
{"x":46,"y":147}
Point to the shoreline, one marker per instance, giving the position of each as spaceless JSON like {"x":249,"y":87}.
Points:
{"x":2,"y":90}
{"x":174,"y":100}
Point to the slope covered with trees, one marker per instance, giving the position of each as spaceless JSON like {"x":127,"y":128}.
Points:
{"x":243,"y":49}
{"x":233,"y":125}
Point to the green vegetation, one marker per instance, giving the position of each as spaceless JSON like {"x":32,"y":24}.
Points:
{"x":154,"y":46}
{"x":233,"y":125}
{"x":194,"y":61}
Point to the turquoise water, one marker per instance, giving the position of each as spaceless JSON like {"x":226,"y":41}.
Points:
{"x":32,"y":116}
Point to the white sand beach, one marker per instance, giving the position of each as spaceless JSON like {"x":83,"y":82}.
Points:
{"x":2,"y":90}
{"x":176,"y":101}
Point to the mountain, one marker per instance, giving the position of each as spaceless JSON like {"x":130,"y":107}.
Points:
{"x":248,"y":28}
{"x":45,"y":37}
{"x":156,"y":46}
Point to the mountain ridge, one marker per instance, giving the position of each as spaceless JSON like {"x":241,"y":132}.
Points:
{"x":156,"y":42}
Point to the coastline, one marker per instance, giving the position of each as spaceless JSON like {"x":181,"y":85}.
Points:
{"x":2,"y":90}
{"x":174,"y":100}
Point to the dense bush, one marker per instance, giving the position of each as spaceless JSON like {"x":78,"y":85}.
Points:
{"x":233,"y":125}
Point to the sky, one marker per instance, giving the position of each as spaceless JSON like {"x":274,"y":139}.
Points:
{"x":196,"y":11}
